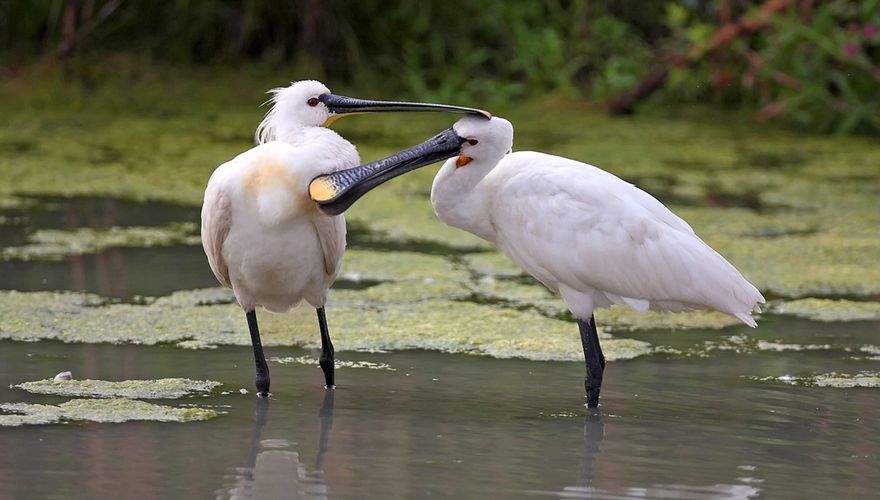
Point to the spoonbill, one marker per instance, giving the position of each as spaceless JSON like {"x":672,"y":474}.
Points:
{"x":263,"y":237}
{"x":584,"y":233}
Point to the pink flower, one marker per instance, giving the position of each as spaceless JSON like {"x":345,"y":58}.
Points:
{"x":850,"y":49}
{"x":869,"y":31}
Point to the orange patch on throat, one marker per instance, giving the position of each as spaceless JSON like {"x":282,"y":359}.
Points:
{"x":462,"y":160}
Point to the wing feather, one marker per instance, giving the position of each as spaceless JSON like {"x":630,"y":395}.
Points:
{"x":331,"y":235}
{"x":216,"y":221}
{"x":573,"y":224}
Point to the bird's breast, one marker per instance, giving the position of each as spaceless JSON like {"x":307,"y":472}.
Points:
{"x":275,"y":189}
{"x":268,"y":174}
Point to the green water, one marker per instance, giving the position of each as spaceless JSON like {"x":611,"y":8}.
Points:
{"x":694,"y":406}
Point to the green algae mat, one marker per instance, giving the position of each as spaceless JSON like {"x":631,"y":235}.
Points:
{"x":798,"y":214}
{"x":98,"y":410}
{"x":168,"y":388}
{"x":108,"y":402}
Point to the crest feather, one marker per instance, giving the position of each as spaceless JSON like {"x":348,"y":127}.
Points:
{"x":266,"y":129}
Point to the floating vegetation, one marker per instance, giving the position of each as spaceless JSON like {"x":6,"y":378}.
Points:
{"x":195,"y":298}
{"x":340,"y":363}
{"x":777,"y":346}
{"x":492,"y":263}
{"x":833,"y":379}
{"x":743,"y":344}
{"x":397,"y":265}
{"x":382,"y":323}
{"x":56,"y":244}
{"x":98,"y":410}
{"x":830,"y":310}
{"x":796,"y":229}
{"x":621,"y":318}
{"x":561,"y":414}
{"x":806,"y":265}
{"x":166,"y":388}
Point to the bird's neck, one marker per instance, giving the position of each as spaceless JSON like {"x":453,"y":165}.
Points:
{"x":459,"y":199}
{"x":291,"y":133}
{"x":327,"y":151}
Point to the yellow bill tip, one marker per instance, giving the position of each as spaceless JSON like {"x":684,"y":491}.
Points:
{"x":321,"y":189}
{"x":330,"y":119}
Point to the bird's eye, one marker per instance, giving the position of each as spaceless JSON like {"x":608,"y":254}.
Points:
{"x":473,"y":142}
{"x":312,"y":102}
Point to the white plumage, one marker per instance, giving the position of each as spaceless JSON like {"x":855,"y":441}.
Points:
{"x":584,"y":233}
{"x":593,"y":238}
{"x":263,"y":235}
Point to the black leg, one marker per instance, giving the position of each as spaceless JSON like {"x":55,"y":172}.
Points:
{"x":594,"y":358}
{"x":328,"y":359}
{"x":259,"y":358}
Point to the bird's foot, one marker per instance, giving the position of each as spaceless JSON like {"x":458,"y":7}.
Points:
{"x":262,"y":388}
{"x":330,"y":387}
{"x":593,"y":394}
{"x":328,"y":366}
{"x":592,"y":400}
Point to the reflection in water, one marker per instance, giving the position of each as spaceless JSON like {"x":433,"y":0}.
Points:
{"x":453,"y":428}
{"x":594,"y":435}
{"x":272,"y":470}
{"x":116,"y":272}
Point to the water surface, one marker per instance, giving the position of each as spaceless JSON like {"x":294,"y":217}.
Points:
{"x":451,"y":426}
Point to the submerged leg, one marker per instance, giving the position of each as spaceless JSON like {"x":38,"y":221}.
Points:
{"x":259,"y":358}
{"x":328,"y":358}
{"x":594,"y":358}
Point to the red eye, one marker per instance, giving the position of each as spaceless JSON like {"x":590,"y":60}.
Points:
{"x":312,"y":102}
{"x":473,"y":142}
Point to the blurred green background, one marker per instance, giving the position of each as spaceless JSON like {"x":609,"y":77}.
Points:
{"x":810,"y":64}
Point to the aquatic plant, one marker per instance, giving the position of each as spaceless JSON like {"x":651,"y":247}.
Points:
{"x":167,"y":388}
{"x":98,"y":410}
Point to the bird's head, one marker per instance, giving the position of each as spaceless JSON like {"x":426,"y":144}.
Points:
{"x":309,"y":103}
{"x":471,"y":138}
{"x":486,"y":141}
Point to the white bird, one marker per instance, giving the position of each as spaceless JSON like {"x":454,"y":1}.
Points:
{"x":262,"y":234}
{"x":584,"y":233}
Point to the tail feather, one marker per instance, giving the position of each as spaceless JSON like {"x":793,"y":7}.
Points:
{"x":747,"y":319}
